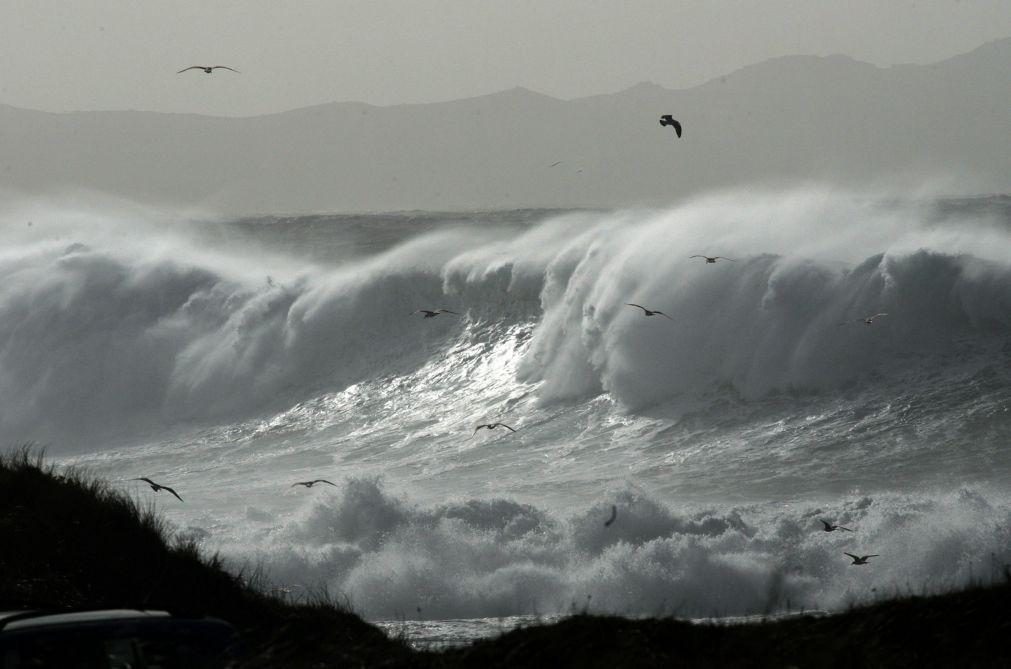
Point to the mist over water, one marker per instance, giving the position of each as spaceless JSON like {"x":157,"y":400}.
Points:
{"x":232,"y":359}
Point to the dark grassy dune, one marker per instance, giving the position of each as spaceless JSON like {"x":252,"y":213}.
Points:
{"x":70,"y":541}
{"x":67,"y":540}
{"x":971,"y":628}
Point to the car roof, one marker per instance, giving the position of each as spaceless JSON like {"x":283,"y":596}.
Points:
{"x":11,"y":620}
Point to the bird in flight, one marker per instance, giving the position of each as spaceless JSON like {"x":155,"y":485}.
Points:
{"x":492,"y":426}
{"x":860,"y":559}
{"x":829,"y":527}
{"x":433,"y":314}
{"x":614,"y":516}
{"x":556,"y":163}
{"x":156,"y":487}
{"x":648,"y":312}
{"x":207,"y":69}
{"x":309,"y":484}
{"x":667,"y":119}
{"x":868,"y":320}
{"x":713,"y":259}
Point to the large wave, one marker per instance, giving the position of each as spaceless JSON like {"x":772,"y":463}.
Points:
{"x":233,"y":360}
{"x":115,"y":328}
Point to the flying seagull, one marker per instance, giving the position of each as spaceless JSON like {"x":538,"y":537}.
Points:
{"x":156,"y":487}
{"x":433,"y":314}
{"x":559,"y":162}
{"x":614,"y":515}
{"x":713,"y":259}
{"x":860,"y":559}
{"x":829,"y":527}
{"x":309,"y":484}
{"x":866,"y":321}
{"x":667,"y":119}
{"x":648,"y":312}
{"x":207,"y":69}
{"x":492,"y":426}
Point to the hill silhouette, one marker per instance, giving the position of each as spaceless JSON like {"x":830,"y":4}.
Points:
{"x":787,"y":119}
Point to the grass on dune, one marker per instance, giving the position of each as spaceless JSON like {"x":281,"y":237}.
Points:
{"x":68,"y":540}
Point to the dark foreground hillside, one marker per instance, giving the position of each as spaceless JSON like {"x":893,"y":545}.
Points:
{"x":69,"y":541}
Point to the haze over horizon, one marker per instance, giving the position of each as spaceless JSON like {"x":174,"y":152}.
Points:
{"x":786,"y":121}
{"x":114,"y":55}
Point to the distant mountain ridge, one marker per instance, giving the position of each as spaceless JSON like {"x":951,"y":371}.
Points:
{"x":787,"y":119}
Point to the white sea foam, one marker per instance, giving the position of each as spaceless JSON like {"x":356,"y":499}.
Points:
{"x":487,"y":558}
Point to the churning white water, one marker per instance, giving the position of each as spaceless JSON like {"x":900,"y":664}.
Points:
{"x":230,"y":360}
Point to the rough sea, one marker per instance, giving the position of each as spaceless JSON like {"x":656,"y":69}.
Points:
{"x":232,"y":359}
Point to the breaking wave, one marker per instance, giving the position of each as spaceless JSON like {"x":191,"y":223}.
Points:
{"x":235,"y":358}
{"x":113,"y":328}
{"x":487,"y":558}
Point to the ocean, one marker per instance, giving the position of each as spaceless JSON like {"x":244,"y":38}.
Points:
{"x":231,"y":359}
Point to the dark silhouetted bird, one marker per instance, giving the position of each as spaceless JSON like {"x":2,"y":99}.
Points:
{"x":614,"y":516}
{"x":157,"y":486}
{"x":433,"y":314}
{"x":860,"y":559}
{"x":667,"y":119}
{"x":868,"y":320}
{"x":309,"y":484}
{"x":829,"y":527}
{"x":648,"y":312}
{"x":713,"y":259}
{"x":492,"y":426}
{"x":207,"y":69}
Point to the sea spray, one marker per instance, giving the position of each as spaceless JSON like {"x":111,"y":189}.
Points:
{"x":486,"y":558}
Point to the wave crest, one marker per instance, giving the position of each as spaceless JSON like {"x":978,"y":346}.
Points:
{"x":119,"y":335}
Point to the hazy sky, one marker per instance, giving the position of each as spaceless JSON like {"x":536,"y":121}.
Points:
{"x":123,"y":54}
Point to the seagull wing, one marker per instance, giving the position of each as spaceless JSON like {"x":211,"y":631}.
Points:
{"x":724,"y":258}
{"x":844,"y":528}
{"x":629,"y":304}
{"x":869,"y":556}
{"x":677,"y":127}
{"x":192,"y":67}
{"x":165,"y":487}
{"x":664,"y":315}
{"x":224,"y":67}
{"x":148,"y":481}
{"x":828,"y":525}
{"x":698,"y":257}
{"x":325,"y":481}
{"x":558,"y":162}
{"x":480,"y":426}
{"x":876,"y":315}
{"x":447,"y":311}
{"x":614,"y":515}
{"x":507,"y":427}
{"x":293,"y":485}
{"x":852,"y":556}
